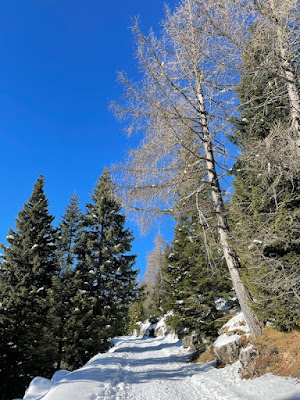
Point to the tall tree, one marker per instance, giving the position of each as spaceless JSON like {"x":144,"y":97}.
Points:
{"x":182,"y":101}
{"x":69,"y":231}
{"x":153,"y":279}
{"x":27,"y":316}
{"x":104,"y":278}
{"x":194,"y":281}
{"x":265,"y":203}
{"x":272,"y":27}
{"x":280,"y":20}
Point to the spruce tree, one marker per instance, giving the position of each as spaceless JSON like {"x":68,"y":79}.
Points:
{"x":26,"y":299}
{"x":265,"y":203}
{"x":193,"y":282}
{"x":69,"y":231}
{"x":104,"y":278}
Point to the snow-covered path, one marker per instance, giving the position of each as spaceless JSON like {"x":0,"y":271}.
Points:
{"x":157,"y":369}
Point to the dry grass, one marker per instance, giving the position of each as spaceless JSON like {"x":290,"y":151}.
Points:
{"x":205,"y":357}
{"x":278,"y":353}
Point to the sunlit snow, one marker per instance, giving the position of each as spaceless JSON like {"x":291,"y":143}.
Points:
{"x":157,"y":369}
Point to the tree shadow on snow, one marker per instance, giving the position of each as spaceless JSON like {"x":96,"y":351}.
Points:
{"x":147,"y":348}
{"x":107,"y":372}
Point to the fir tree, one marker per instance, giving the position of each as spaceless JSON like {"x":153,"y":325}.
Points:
{"x":193,"y":282}
{"x":104,"y":278}
{"x":265,"y":204}
{"x":27,"y":310}
{"x":69,"y":231}
{"x":263,"y":97}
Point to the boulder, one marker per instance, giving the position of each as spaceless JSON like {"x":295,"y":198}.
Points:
{"x":226,"y":349}
{"x":247,"y":359}
{"x":190,"y":341}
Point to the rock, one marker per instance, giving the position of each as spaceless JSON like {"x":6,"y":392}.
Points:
{"x":236,"y":324}
{"x":247,"y":359}
{"x":226,"y":349}
{"x":161,"y":328}
{"x":190,"y":341}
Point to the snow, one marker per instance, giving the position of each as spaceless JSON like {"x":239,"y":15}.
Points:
{"x":59,"y":375}
{"x":144,"y":327}
{"x":37,"y":388}
{"x":237,"y":322}
{"x":157,"y":369}
{"x":223,"y":340}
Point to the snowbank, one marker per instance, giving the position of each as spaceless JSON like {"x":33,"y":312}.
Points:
{"x":158,"y":329}
{"x":38,"y":388}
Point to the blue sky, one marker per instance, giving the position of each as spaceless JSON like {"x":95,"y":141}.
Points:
{"x":58,"y":64}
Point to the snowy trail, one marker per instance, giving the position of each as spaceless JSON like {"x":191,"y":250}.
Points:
{"x":157,"y":369}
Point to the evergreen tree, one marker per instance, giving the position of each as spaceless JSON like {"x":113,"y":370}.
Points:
{"x":27,"y":319}
{"x":104,"y":278}
{"x":262,"y":95}
{"x":69,"y":231}
{"x":153,"y":279}
{"x":265,"y":204}
{"x":193,"y":282}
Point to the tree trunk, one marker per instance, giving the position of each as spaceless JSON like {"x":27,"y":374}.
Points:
{"x":291,"y":83}
{"x":289,"y":71}
{"x":231,"y":257}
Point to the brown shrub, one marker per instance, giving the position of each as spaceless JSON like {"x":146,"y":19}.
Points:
{"x":278,"y":353}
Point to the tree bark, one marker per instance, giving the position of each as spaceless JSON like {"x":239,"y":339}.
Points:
{"x":230,"y":255}
{"x":289,"y":71}
{"x":291,"y":83}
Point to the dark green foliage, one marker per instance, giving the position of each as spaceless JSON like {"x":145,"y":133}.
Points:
{"x":265,"y":213}
{"x":69,"y":231}
{"x":266,"y":228}
{"x":262,"y":95}
{"x":27,"y":319}
{"x":137,"y":313}
{"x":192,"y":282}
{"x":104,"y":279}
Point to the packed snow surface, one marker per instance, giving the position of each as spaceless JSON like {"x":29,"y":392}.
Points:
{"x":157,"y":369}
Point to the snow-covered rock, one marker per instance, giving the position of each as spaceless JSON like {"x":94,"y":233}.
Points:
{"x":226,"y":348}
{"x":236,"y":324}
{"x":144,"y":328}
{"x":158,"y":329}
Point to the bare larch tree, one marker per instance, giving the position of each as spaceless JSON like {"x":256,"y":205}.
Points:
{"x":182,"y":104}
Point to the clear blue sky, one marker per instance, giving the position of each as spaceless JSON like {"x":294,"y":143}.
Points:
{"x":58,"y":64}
